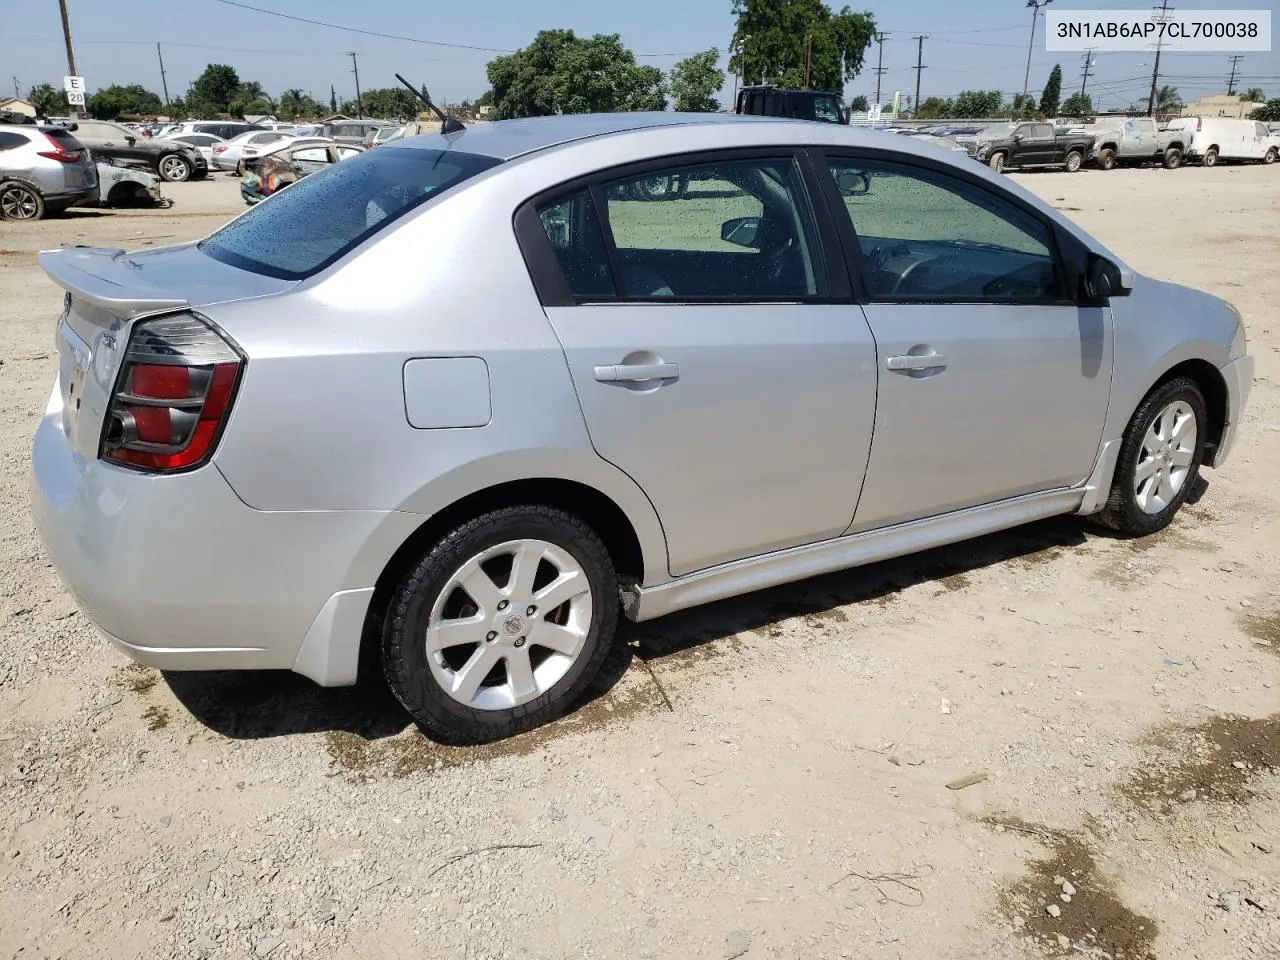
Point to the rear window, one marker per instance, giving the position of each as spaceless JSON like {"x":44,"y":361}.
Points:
{"x":64,"y":137}
{"x":317,"y":220}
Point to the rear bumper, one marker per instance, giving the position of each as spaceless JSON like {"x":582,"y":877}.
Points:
{"x":1238,"y":375}
{"x":182,"y":575}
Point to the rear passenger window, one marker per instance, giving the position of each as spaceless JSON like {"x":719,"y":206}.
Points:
{"x":10,"y":140}
{"x":738,"y":230}
{"x":573,"y":228}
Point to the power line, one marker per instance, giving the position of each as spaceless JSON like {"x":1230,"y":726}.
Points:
{"x":920,"y":67}
{"x":1231,"y":83}
{"x":880,"y":68}
{"x":1035,"y":6}
{"x":1155,"y":73}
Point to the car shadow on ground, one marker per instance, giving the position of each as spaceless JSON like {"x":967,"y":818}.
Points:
{"x":262,"y":704}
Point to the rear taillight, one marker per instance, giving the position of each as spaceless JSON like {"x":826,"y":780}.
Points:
{"x":1199,"y":124}
{"x":172,"y":396}
{"x":59,"y":152}
{"x":220,"y":149}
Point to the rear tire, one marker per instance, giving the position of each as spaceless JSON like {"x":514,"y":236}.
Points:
{"x":1075,"y":160}
{"x":1106,"y":159}
{"x":18,"y":201}
{"x":996,"y":162}
{"x":1211,"y":157}
{"x":1172,"y":158}
{"x":1159,"y":460}
{"x":492,"y":672}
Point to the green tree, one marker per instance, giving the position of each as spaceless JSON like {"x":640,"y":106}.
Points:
{"x":213,"y":90}
{"x":977,"y":104}
{"x":48,"y":101}
{"x":294,"y":104}
{"x":1078,"y":105}
{"x":859,"y":104}
{"x":1168,"y":100}
{"x":1268,"y":112}
{"x":933,"y":108}
{"x":1052,"y":96}
{"x":1254,"y":95}
{"x":1023,"y":107}
{"x":560,"y":72}
{"x":391,"y":103}
{"x":695,"y":81}
{"x":115,"y":100}
{"x":769,"y":42}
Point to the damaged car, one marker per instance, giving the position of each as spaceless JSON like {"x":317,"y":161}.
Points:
{"x":120,"y":186}
{"x":263,"y":176}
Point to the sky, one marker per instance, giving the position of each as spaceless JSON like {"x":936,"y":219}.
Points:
{"x":970,"y":44}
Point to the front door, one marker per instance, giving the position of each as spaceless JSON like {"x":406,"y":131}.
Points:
{"x":992,"y":383}
{"x":1038,"y":143}
{"x":711,"y":357}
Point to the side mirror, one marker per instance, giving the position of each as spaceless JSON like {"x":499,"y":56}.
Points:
{"x":740,"y":231}
{"x":1103,"y":279}
{"x":853,"y":183}
{"x":1017,"y":138}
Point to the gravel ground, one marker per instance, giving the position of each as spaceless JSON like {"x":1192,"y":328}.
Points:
{"x":767,"y":777}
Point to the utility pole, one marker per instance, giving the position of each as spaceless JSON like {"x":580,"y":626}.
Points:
{"x":808,"y":59}
{"x":919,"y":67}
{"x":1035,"y":6}
{"x":1155,"y":74}
{"x":164,"y":83}
{"x":880,"y":71}
{"x":1088,"y":62}
{"x":1231,"y":83}
{"x":355,"y":68}
{"x":17,"y":95}
{"x":71,"y":50}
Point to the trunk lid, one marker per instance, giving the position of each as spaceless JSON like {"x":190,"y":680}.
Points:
{"x":107,"y":292}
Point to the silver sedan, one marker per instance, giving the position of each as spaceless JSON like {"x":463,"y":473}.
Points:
{"x":467,"y":399}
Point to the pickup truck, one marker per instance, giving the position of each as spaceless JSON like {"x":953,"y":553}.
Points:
{"x":1138,"y":140}
{"x":1030,"y":145}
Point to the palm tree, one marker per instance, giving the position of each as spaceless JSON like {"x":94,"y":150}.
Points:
{"x":291,"y":104}
{"x":1255,"y":95}
{"x":1168,"y":100}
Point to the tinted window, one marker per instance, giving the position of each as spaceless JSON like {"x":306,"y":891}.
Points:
{"x":10,"y":140}
{"x":1042,"y":131}
{"x":573,"y":228}
{"x":736,"y":230}
{"x":927,"y":236}
{"x":826,"y":108}
{"x":303,"y":229}
{"x":64,"y":137}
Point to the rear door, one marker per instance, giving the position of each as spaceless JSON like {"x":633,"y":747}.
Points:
{"x":993,"y":382}
{"x":716,"y":352}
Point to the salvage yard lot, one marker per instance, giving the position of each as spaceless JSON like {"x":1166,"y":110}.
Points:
{"x":765,"y":777}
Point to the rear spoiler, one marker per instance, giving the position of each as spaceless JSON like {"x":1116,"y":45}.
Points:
{"x":99,"y":275}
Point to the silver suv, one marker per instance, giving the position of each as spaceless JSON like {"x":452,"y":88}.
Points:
{"x":465,"y":399}
{"x":43,"y":170}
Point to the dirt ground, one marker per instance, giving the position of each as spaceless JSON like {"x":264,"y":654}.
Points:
{"x":766,"y":777}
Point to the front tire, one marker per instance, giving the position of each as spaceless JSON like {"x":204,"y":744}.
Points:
{"x":996,"y":162}
{"x":501,"y":626}
{"x":1106,"y":159}
{"x":174,"y":168}
{"x":1270,"y":157}
{"x":1159,"y":461}
{"x":1075,"y":160}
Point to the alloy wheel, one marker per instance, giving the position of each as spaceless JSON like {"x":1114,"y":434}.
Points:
{"x":509,"y":624}
{"x":174,"y":168}
{"x":19,"y":203}
{"x":1165,"y":459}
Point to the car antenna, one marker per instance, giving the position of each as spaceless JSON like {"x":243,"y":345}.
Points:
{"x":447,"y":124}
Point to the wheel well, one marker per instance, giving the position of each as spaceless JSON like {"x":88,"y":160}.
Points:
{"x":603,"y":515}
{"x":1214,"y":388}
{"x":1107,"y":146}
{"x":1175,"y":145}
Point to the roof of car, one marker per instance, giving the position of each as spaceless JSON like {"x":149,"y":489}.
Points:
{"x":505,"y":139}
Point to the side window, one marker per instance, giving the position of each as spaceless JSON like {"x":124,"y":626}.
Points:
{"x":930,"y":237}
{"x":737,"y":230}
{"x":9,"y":141}
{"x":826,"y":109}
{"x":572,"y":227}
{"x":1262,"y":131}
{"x":312,"y":155}
{"x":1042,"y":131}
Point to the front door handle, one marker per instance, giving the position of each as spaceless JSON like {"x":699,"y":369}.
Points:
{"x":622,"y":372}
{"x":931,"y":361}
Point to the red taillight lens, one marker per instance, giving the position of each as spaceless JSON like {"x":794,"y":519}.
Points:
{"x":59,"y":152}
{"x":1199,"y":124}
{"x":220,"y":149}
{"x":172,"y":397}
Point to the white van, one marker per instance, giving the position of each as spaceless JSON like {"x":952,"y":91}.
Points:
{"x":1221,"y":138}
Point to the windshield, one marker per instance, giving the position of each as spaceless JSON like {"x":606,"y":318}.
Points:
{"x":308,"y":226}
{"x":1000,"y":131}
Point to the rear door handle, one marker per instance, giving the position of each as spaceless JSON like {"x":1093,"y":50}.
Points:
{"x":620,"y":372}
{"x":932,"y":361}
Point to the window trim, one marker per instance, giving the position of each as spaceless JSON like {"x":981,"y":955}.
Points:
{"x":1068,"y":281}
{"x":553,"y":288}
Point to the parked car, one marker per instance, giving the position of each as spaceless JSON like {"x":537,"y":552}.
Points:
{"x":1213,"y":139}
{"x":125,"y":187}
{"x":354,"y":131}
{"x":289,"y":163}
{"x":202,"y":142}
{"x":770,"y":101}
{"x":226,"y":129}
{"x":1030,"y":145}
{"x":43,"y":170}
{"x":230,"y":155}
{"x":383,"y":135}
{"x":171,"y":161}
{"x":942,"y":143}
{"x":459,"y":397}
{"x":1137,"y":140}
